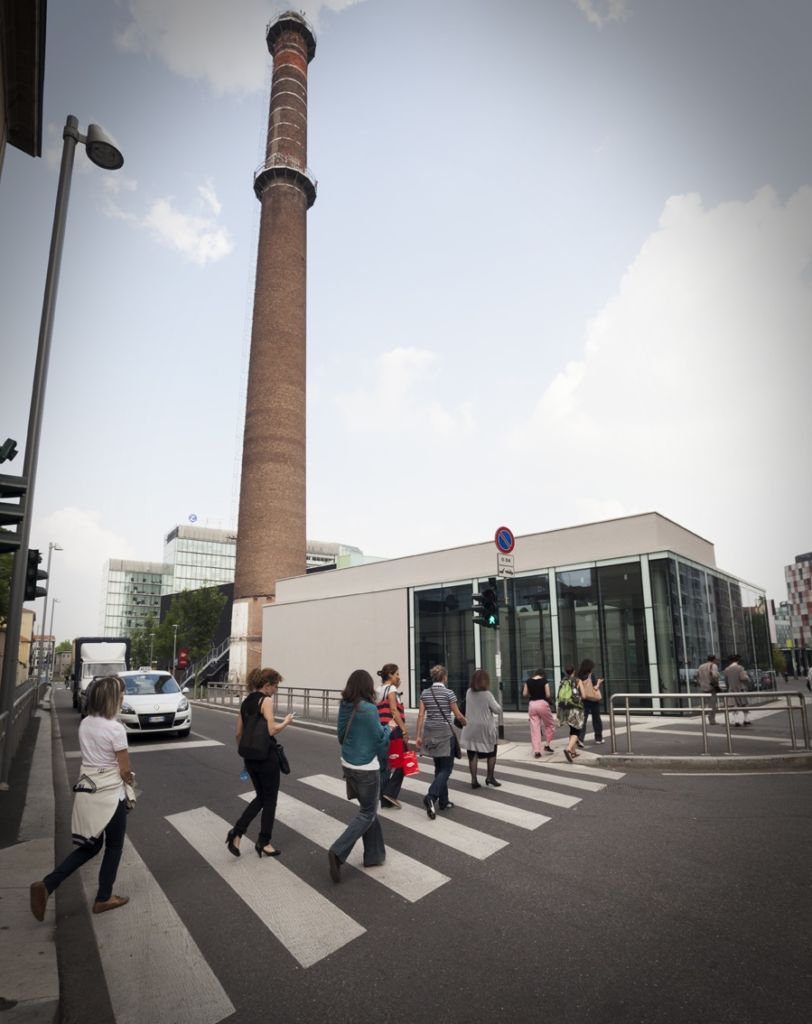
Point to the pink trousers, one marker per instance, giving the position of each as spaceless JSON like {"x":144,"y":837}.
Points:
{"x":540,"y":714}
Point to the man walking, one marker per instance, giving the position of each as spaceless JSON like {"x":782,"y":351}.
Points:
{"x":707,"y":677}
{"x":738,"y":681}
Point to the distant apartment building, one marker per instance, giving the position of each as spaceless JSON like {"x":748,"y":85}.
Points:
{"x":194,"y":557}
{"x":799,"y":597}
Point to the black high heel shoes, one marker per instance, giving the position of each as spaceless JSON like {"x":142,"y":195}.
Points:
{"x":232,"y":849}
{"x":268,"y":853}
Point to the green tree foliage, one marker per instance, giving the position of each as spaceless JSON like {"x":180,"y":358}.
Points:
{"x":63,"y":646}
{"x":779,"y":661}
{"x":196,"y":613}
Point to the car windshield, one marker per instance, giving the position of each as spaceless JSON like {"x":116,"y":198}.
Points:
{"x":149,"y":682}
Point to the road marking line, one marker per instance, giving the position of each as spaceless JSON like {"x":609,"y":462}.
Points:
{"x":153,"y":967}
{"x":742,"y":731}
{"x":542,"y":796}
{"x":148,"y":748}
{"x":307,"y":924}
{"x":581,"y":769}
{"x":404,"y":875}
{"x":532,"y":773}
{"x":713,"y":775}
{"x":459,"y":837}
{"x":529,"y":820}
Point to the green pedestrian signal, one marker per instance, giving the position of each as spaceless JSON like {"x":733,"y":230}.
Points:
{"x":486,"y":606}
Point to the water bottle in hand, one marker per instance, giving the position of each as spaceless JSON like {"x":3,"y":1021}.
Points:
{"x":244,"y":776}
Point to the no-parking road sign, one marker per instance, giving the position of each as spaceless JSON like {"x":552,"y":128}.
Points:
{"x":504,"y":539}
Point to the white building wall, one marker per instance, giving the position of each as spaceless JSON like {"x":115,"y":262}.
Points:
{"x":318,"y":643}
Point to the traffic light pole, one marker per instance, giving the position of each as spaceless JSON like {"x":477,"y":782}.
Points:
{"x":498,"y":659}
{"x":8,"y":684}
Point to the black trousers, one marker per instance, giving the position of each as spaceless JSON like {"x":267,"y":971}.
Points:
{"x":265,"y":777}
{"x":113,"y":847}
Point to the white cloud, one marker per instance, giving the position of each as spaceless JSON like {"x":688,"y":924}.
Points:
{"x":77,"y":571}
{"x":113,"y":184}
{"x":677,"y":403}
{"x":209,"y":40}
{"x":603,"y":12}
{"x":196,"y":235}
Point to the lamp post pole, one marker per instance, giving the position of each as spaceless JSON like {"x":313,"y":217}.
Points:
{"x":174,"y":645}
{"x":52,"y":646}
{"x":104,"y":154}
{"x":151,"y":647}
{"x":51,"y":548}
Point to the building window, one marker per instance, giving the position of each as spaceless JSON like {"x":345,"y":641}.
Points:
{"x":444,"y":635}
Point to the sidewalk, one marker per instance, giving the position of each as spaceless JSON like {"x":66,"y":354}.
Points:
{"x":29,"y":981}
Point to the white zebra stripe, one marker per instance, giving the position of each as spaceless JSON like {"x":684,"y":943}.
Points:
{"x":484,"y":805}
{"x":459,"y":837}
{"x":541,"y":776}
{"x":307,"y":924}
{"x":153,"y":967}
{"x":404,"y":875}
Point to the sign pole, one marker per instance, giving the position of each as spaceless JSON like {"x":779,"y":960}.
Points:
{"x":505,"y":543}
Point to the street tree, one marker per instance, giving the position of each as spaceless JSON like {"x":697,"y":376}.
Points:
{"x":196,"y":614}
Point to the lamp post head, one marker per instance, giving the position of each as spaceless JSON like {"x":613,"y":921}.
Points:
{"x":101,"y":149}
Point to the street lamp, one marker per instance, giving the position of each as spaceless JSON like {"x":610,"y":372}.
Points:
{"x":103,"y":153}
{"x":174,"y":644}
{"x":51,"y":548}
{"x":52,"y":643}
{"x":151,"y":646}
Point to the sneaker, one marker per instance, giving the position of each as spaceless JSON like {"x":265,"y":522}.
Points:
{"x":580,"y":744}
{"x":448,"y":807}
{"x":428,"y":803}
{"x":599,"y":741}
{"x":538,"y":753}
{"x":549,"y":750}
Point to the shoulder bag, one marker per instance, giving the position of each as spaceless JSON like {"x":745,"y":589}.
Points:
{"x":455,"y":743}
{"x":589,"y":690}
{"x":255,"y":741}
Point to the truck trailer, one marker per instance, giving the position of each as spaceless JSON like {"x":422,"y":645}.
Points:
{"x":97,"y":656}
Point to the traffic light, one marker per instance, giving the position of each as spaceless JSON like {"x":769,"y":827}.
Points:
{"x":486,"y":606}
{"x":33,"y":574}
{"x":183,"y":658}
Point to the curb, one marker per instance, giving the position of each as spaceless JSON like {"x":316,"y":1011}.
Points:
{"x":712,"y":762}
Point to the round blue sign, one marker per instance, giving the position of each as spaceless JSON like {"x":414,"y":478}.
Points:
{"x":505,"y":540}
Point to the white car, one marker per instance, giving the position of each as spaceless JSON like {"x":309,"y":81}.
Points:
{"x":154,"y":703}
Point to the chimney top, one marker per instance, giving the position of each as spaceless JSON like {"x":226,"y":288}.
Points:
{"x":289,"y":20}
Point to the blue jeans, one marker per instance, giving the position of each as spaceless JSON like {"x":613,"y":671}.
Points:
{"x":113,"y":847}
{"x":438,"y":790}
{"x":366,"y":824}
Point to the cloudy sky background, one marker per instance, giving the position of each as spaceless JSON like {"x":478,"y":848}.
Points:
{"x":559,"y":270}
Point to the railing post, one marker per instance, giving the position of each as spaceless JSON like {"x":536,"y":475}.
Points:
{"x":628,"y":727}
{"x":703,"y":709}
{"x":612,"y":723}
{"x":804,"y":722}
{"x":727,"y":722}
{"x":793,"y":744}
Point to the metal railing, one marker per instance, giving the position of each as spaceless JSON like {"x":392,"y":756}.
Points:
{"x":315,"y":705}
{"x":203,"y":663}
{"x":704,"y":699}
{"x":14,"y":723}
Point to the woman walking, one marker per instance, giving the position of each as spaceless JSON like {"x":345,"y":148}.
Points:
{"x":570,"y":709}
{"x":540,"y":711}
{"x":100,"y":804}
{"x":364,"y":741}
{"x":264,"y":773}
{"x":480,"y":735}
{"x":591,"y":694}
{"x":435,"y":737}
{"x":390,"y":709}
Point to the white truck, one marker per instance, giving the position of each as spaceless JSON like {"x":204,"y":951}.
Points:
{"x":97,"y":656}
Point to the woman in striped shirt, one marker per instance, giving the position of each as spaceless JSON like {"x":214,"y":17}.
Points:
{"x":434,"y":737}
{"x":390,"y":709}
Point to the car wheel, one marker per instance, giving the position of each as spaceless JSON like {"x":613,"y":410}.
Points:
{"x":184,"y":732}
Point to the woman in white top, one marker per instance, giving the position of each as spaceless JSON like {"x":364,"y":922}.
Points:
{"x":100,"y":806}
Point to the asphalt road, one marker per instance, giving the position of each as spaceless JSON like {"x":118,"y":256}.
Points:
{"x":657,"y":898}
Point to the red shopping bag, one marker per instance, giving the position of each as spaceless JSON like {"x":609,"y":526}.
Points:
{"x":409,"y":762}
{"x":395,"y":754}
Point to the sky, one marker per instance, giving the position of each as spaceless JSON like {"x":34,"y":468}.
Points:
{"x":559,"y":270}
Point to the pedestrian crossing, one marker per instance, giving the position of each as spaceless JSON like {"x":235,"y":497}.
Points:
{"x":297,"y":907}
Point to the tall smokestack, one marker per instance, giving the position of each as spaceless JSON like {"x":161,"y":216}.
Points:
{"x":271,"y":542}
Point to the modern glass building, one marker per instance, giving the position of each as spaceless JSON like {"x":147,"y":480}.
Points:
{"x":641,"y":596}
{"x":198,"y":556}
{"x":132,"y":593}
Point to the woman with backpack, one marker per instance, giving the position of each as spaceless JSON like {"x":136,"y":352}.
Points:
{"x":390,"y":709}
{"x":591,"y":695}
{"x":570,"y":709}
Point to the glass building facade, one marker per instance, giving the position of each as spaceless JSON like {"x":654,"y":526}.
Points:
{"x":132,"y":593}
{"x":198,"y":556}
{"x":647,"y":621}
